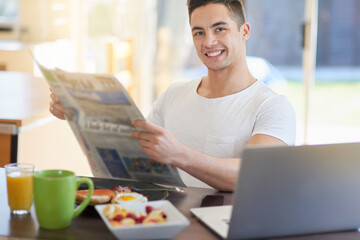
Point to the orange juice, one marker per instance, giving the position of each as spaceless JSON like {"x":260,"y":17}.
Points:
{"x":20,"y":190}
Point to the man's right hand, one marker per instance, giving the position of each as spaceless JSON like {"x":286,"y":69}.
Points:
{"x":56,"y":106}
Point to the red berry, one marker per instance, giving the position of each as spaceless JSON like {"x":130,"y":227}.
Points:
{"x":131,"y":215}
{"x":148,"y":209}
{"x":140,"y":219}
{"x":164,"y":215}
{"x":118,"y":218}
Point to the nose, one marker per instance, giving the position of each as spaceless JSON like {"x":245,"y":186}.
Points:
{"x":210,"y":40}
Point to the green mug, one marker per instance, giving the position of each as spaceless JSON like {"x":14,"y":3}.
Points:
{"x":54,"y":197}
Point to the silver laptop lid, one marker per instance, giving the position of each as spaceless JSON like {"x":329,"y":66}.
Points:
{"x":297,"y":190}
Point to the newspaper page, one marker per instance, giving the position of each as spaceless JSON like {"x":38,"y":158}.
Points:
{"x":100,"y":111}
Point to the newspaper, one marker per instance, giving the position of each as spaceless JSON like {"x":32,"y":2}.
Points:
{"x":100,"y":111}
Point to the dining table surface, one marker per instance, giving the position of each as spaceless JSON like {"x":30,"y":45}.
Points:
{"x":89,"y":225}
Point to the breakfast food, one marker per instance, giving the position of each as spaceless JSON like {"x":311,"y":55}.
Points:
{"x":117,"y":194}
{"x":119,"y":189}
{"x":124,"y":197}
{"x":121,"y":216}
{"x":100,"y":196}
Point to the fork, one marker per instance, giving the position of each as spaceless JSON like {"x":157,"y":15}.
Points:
{"x":175,"y":189}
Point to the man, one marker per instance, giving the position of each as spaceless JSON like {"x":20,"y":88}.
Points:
{"x":202,"y":126}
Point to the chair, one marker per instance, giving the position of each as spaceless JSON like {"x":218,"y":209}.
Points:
{"x":120,"y":63}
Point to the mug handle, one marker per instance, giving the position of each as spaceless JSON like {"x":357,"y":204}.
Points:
{"x":84,"y":203}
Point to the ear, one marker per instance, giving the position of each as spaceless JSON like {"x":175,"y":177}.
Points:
{"x":245,"y":31}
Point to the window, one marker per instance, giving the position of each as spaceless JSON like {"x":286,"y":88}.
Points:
{"x":8,"y":14}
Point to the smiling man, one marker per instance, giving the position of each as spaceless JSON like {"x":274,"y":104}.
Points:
{"x":202,"y":126}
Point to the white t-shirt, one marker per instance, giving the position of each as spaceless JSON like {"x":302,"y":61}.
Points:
{"x":221,"y":127}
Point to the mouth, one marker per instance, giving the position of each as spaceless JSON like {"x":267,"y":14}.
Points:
{"x":214,"y":53}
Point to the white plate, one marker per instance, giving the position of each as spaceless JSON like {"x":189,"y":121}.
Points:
{"x":176,"y":221}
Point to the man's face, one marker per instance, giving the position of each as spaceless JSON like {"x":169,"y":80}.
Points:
{"x":217,"y":38}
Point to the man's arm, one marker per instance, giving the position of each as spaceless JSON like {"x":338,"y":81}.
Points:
{"x":220,"y":173}
{"x":159,"y":144}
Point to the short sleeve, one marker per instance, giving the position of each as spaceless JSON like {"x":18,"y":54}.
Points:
{"x":165,"y":103}
{"x":156,"y":116}
{"x":276,"y":118}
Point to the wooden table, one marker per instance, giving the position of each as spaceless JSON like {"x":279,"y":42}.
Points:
{"x":24,"y":104}
{"x":88,"y":225}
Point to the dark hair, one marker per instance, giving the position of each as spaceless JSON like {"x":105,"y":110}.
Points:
{"x":236,"y":7}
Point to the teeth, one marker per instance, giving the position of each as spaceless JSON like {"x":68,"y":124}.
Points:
{"x":213,"y":54}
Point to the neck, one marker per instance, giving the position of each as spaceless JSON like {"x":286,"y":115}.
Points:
{"x":227,"y":81}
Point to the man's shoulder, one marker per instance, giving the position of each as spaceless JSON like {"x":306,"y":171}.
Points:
{"x":182,"y":86}
{"x":263,"y":91}
{"x":265,"y":94}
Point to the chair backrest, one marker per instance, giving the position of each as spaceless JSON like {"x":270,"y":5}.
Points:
{"x":120,"y":63}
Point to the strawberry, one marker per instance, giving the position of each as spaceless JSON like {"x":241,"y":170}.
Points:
{"x":140,"y":219}
{"x":148,"y":209}
{"x":131,"y":215}
{"x":118,"y":218}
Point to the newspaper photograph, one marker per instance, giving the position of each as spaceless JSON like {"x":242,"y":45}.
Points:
{"x":100,"y":111}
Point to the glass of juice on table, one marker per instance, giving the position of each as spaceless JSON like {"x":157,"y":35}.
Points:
{"x":19,"y":178}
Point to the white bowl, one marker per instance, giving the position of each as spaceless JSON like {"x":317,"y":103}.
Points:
{"x":176,"y":221}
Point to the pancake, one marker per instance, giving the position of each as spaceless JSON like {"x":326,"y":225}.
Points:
{"x":100,"y":196}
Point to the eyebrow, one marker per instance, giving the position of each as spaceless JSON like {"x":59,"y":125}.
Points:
{"x":212,"y":26}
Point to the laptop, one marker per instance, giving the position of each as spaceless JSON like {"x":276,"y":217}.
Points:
{"x":291,"y":190}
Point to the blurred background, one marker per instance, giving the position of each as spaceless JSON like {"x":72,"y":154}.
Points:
{"x":308,"y":50}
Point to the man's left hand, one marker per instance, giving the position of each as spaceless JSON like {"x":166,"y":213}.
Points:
{"x":158,"y":143}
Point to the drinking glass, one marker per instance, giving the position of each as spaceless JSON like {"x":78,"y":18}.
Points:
{"x":19,"y":178}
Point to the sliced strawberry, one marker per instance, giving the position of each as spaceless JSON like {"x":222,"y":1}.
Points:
{"x":118,"y":218}
{"x":131,"y":215}
{"x":148,"y":209}
{"x":140,"y":219}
